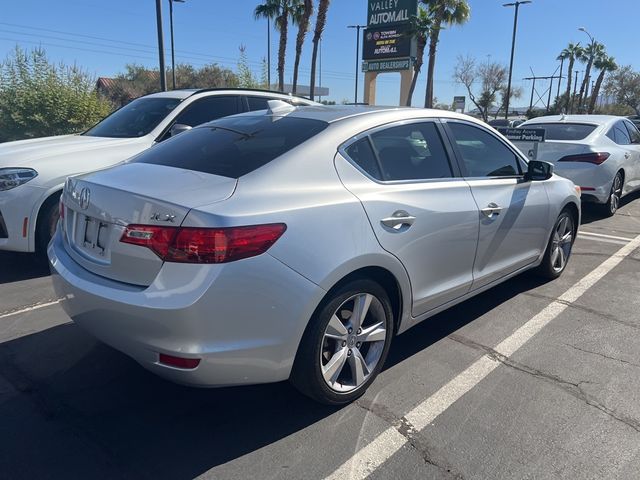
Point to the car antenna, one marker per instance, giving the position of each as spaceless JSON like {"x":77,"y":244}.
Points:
{"x":279,"y":106}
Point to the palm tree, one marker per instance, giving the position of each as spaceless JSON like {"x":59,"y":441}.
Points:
{"x":442,"y":12}
{"x":605,"y":64}
{"x":303,"y":28}
{"x":572,"y":52}
{"x":321,"y":21}
{"x":589,"y":54}
{"x":420,"y":30}
{"x":281,"y":11}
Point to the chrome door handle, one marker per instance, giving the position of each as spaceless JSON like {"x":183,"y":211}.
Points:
{"x":490,"y":210}
{"x":399,"y":219}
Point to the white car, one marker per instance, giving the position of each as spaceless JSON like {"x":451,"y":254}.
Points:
{"x":599,"y":153}
{"x":33,"y":172}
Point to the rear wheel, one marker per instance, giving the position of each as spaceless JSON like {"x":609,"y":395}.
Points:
{"x":345,"y":345}
{"x":612,"y":205}
{"x":559,"y":247}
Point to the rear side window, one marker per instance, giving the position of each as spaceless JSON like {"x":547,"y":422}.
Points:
{"x":232,"y":147}
{"x":564,"y":131}
{"x":209,"y":108}
{"x":411,"y":152}
{"x":482,"y":153}
{"x":362,"y":154}
{"x":634,"y":134}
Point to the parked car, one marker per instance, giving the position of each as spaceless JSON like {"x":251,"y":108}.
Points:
{"x":296,"y":244}
{"x":504,"y":123}
{"x":32,"y":172}
{"x":600,"y":153}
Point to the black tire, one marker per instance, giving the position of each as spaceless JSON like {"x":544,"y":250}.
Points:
{"x":307,"y":374}
{"x":610,"y":208}
{"x":550,"y":268}
{"x":47,"y":222}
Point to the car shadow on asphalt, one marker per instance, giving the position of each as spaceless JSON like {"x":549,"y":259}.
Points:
{"x":95,"y":413}
{"x":15,"y":267}
{"x":592,"y":212}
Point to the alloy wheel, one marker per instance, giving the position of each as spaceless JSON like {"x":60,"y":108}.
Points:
{"x":562,"y":243}
{"x":616,"y":193}
{"x":353,"y":342}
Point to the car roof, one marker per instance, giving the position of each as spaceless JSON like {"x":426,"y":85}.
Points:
{"x":337,"y":113}
{"x":589,"y":119}
{"x":188,"y":92}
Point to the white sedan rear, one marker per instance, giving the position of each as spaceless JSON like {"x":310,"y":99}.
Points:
{"x":599,"y":153}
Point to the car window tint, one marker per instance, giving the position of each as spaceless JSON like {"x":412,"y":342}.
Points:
{"x":411,"y":152}
{"x":232,"y":147}
{"x":135,"y":119}
{"x":258,"y":103}
{"x":206,"y":109}
{"x":621,"y":133}
{"x":362,"y":154}
{"x":634,"y":134}
{"x":483,"y":154}
{"x":563,"y":131}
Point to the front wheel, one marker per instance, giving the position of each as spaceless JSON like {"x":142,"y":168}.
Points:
{"x":559,"y":247}
{"x":47,"y":223}
{"x":345,"y":345}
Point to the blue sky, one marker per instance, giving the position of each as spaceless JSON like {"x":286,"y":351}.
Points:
{"x":103,"y":36}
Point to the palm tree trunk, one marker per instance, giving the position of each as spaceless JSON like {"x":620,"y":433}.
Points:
{"x":585,"y":84}
{"x":596,"y":91}
{"x":303,"y":27}
{"x":433,"y":44}
{"x":569,"y":79}
{"x":422,"y":43}
{"x":282,"y":50}
{"x":321,"y":19}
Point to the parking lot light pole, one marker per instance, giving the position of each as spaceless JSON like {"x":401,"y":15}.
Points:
{"x":513,"y":47}
{"x":163,"y":78}
{"x":173,"y":55}
{"x":357,"y":27}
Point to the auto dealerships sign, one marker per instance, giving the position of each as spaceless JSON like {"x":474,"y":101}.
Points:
{"x":387,"y":12}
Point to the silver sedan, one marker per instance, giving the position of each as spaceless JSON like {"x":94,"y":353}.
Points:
{"x":295,"y":243}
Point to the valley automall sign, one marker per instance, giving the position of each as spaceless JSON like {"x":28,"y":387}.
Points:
{"x":389,"y":12}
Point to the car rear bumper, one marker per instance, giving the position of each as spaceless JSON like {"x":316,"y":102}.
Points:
{"x":594,"y":180}
{"x":243,"y":320}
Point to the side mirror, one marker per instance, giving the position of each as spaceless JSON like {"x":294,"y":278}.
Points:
{"x":178,"y":128}
{"x":538,"y":171}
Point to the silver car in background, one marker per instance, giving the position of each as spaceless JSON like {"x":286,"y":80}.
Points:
{"x":295,"y":243}
{"x":600,"y":153}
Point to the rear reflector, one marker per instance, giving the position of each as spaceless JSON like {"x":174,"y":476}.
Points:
{"x":587,"y":189}
{"x":25,"y":223}
{"x":178,"y":362}
{"x":596,"y":158}
{"x":204,"y":245}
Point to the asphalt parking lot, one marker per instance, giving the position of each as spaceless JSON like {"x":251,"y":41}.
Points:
{"x":527,"y":380}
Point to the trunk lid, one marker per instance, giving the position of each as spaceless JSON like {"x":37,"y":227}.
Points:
{"x":99,"y":206}
{"x":552,"y":150}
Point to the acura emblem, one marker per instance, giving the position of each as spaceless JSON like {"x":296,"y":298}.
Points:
{"x":85,"y":197}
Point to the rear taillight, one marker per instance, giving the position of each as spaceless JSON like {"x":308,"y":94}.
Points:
{"x":204,"y":245}
{"x":596,"y":157}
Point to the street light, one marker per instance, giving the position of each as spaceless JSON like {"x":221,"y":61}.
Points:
{"x":357,"y":27}
{"x":513,"y":47}
{"x":173,"y":56}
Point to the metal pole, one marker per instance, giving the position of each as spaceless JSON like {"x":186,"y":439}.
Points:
{"x":549,"y":99}
{"x":575,"y":84}
{"x":320,"y":69}
{"x":269,"y":53}
{"x":513,"y":47}
{"x":357,"y":56}
{"x":163,"y":79}
{"x":533,"y":88}
{"x":560,"y":81}
{"x":173,"y":55}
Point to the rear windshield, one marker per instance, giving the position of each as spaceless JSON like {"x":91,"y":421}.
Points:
{"x":564,"y":131}
{"x":135,"y":119}
{"x":232,"y":147}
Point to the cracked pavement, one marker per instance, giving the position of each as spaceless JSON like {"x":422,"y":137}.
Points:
{"x":565,"y":405}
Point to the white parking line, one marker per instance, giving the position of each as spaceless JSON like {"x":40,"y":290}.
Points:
{"x":602,"y":235}
{"x":603,"y":240}
{"x":369,"y":458}
{"x":28,"y":309}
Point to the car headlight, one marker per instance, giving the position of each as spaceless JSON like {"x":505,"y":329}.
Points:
{"x":13,"y":177}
